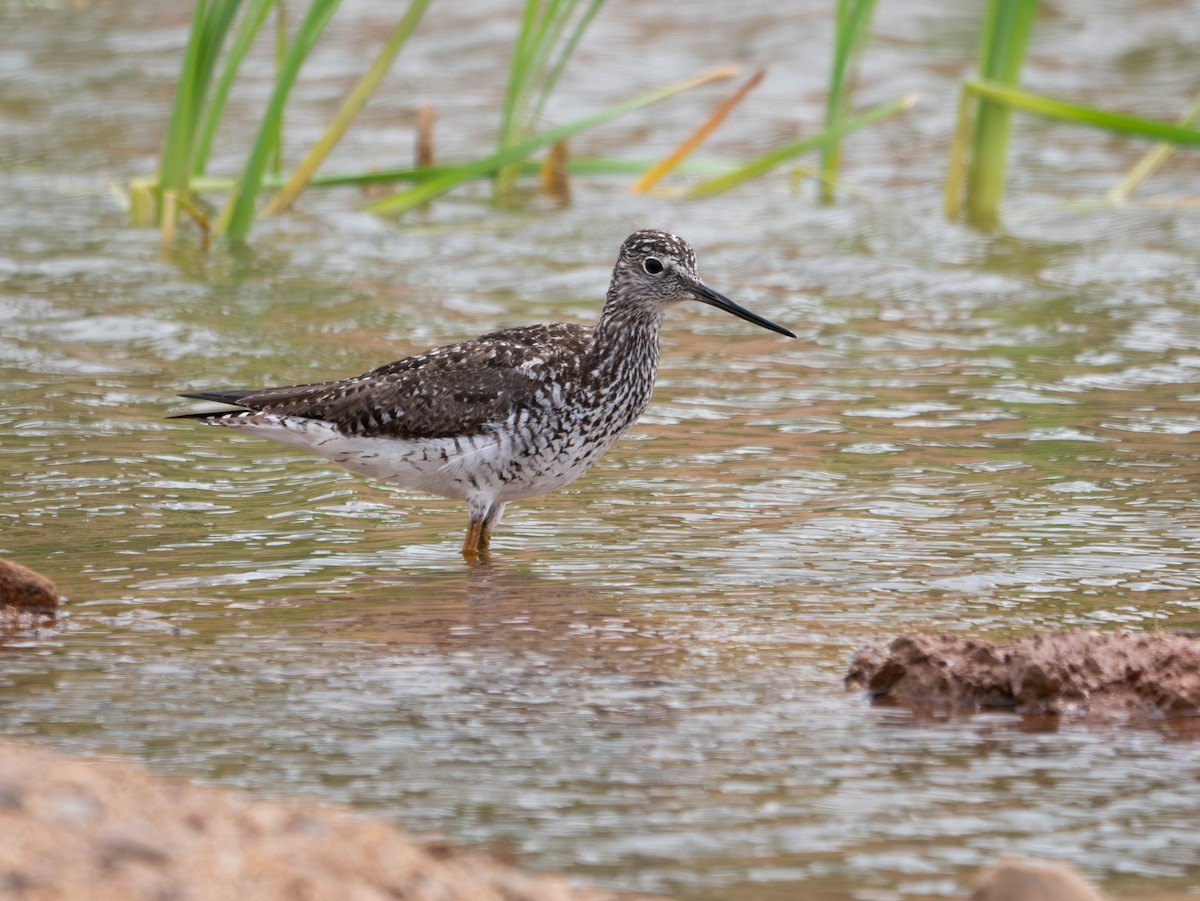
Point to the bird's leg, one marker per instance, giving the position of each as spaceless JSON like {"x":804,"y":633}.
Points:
{"x":471,"y":544}
{"x":495,"y":511}
{"x":482,"y":516}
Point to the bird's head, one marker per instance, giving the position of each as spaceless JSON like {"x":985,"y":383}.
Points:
{"x":656,"y":270}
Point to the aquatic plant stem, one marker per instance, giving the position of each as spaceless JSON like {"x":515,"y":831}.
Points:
{"x":1004,"y":39}
{"x":249,"y":27}
{"x":1065,"y":111}
{"x":1154,"y":158}
{"x":210,"y":22}
{"x":852,"y":28}
{"x":350,"y":108}
{"x":540,"y":53}
{"x":1058,"y":110}
{"x":434,"y":187}
{"x":238,"y":213}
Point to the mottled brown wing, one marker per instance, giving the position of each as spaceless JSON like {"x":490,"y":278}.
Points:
{"x":410,"y":405}
{"x":455,"y":390}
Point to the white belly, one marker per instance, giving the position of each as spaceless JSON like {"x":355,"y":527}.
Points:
{"x":495,"y":465}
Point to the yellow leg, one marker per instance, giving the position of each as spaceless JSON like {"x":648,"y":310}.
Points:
{"x":471,"y":545}
{"x":490,"y":520}
{"x":483,"y":517}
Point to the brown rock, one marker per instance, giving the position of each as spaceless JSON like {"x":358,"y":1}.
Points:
{"x":1151,"y":674}
{"x":24,"y":589}
{"x":104,"y":830}
{"x":1018,"y":879}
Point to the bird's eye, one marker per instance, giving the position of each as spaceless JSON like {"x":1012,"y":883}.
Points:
{"x":653,"y":266}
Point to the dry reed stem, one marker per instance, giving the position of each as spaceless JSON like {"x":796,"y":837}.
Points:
{"x":656,"y":172}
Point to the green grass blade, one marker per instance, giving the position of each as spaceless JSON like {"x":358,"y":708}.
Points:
{"x":853,"y":26}
{"x":593,"y":166}
{"x":221,"y":14}
{"x":358,"y":98}
{"x":536,"y":48}
{"x":776,"y":158}
{"x":275,"y":154}
{"x":549,"y":33}
{"x":251,"y":24}
{"x":1063,"y":111}
{"x":538,"y":20}
{"x":238,"y":214}
{"x":546,"y":34}
{"x":518,"y":73}
{"x":435,"y":187}
{"x":210,"y":22}
{"x":565,"y":54}
{"x":173,"y":166}
{"x":204,"y":44}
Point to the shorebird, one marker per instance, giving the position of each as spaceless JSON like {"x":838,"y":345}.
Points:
{"x":503,"y":417}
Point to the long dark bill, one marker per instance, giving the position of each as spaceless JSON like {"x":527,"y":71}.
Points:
{"x":716,"y":299}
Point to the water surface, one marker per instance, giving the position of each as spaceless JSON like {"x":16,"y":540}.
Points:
{"x":982,"y":433}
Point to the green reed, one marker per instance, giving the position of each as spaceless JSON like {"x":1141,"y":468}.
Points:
{"x":251,"y":23}
{"x":224,"y":31}
{"x":1003,"y":41}
{"x":975,"y":171}
{"x":189,"y":131}
{"x":200,"y":103}
{"x":303,"y":174}
{"x":238,"y":214}
{"x":852,"y":27}
{"x":548,"y":34}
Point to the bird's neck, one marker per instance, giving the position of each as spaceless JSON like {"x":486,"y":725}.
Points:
{"x":626,"y":336}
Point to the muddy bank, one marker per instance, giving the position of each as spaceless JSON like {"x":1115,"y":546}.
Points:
{"x":87,"y":829}
{"x":104,"y":830}
{"x":1139,"y":674}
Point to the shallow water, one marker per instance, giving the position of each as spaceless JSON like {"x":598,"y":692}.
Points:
{"x":985,"y":433}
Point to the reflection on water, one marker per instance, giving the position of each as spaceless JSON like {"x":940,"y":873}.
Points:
{"x":643,"y":685}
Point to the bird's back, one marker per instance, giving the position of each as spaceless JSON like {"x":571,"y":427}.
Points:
{"x":455,"y":390}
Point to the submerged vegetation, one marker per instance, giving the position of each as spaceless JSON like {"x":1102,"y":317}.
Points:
{"x":548,"y":34}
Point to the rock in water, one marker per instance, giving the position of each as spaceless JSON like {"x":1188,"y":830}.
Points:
{"x":26,"y":590}
{"x":1150,"y":674}
{"x":1018,"y":879}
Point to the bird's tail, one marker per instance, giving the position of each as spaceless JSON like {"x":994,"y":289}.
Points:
{"x":221,"y":397}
